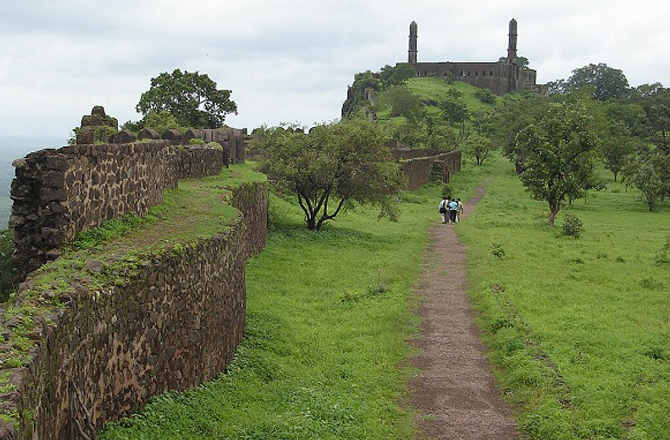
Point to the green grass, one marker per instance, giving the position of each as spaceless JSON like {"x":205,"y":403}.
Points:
{"x":580,"y":327}
{"x":328,"y":317}
{"x":434,"y":88}
{"x":428,"y":88}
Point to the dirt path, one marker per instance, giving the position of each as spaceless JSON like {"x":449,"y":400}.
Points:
{"x":455,"y":392}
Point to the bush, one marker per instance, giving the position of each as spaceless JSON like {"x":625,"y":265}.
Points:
{"x":572,"y":226}
{"x":663,"y":254}
{"x":498,"y":251}
{"x":447,"y":191}
{"x":485,"y":96}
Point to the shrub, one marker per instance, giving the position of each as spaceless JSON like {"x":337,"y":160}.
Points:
{"x":663,"y":254}
{"x":572,"y":226}
{"x":485,"y":96}
{"x":447,"y":191}
{"x":498,"y":250}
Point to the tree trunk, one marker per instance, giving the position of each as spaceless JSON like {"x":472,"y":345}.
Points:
{"x":552,"y":216}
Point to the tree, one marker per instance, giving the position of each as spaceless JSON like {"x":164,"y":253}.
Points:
{"x":559,"y":162}
{"x":479,"y":147}
{"x":157,"y":120}
{"x":604,"y":81}
{"x":404,"y":103}
{"x":192,"y":98}
{"x":522,"y":62}
{"x":455,"y":110}
{"x":395,"y":76}
{"x":508,"y":119}
{"x":332,"y":168}
{"x":617,"y":147}
{"x":643,"y":175}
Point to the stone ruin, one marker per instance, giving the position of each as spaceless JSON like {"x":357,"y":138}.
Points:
{"x":97,"y":127}
{"x":100,"y":128}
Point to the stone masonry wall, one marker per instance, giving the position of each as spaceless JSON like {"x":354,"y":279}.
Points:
{"x":58,"y":193}
{"x":172,"y":322}
{"x":419,"y":171}
{"x":197,"y":161}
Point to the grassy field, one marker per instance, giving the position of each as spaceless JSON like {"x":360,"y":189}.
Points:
{"x":580,"y":327}
{"x":328,"y":318}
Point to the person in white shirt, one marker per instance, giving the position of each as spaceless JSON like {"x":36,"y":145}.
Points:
{"x":443,"y":208}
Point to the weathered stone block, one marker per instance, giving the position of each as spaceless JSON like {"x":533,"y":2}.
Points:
{"x":57,"y":163}
{"x":47,"y":194}
{"x":124,"y":137}
{"x":55,"y":179}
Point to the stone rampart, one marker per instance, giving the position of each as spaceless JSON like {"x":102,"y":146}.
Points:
{"x":197,"y":161}
{"x":165,"y":320}
{"x":58,"y":193}
{"x":420,"y":170}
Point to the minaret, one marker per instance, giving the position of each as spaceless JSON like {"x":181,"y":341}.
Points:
{"x":511,"y":46}
{"x":413,"y":35}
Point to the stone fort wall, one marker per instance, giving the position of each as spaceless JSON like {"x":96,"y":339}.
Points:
{"x":58,"y":193}
{"x":421,"y":166}
{"x":498,"y":77}
{"x":171,"y":320}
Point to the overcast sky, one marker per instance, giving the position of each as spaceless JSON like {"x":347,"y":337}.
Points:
{"x":291,"y":60}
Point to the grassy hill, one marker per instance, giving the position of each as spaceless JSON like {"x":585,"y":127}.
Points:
{"x":433,"y":90}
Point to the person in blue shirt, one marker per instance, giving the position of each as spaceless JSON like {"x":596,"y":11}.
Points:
{"x":453,"y":210}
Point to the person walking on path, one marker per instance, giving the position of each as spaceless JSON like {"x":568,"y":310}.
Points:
{"x":453,"y":209}
{"x":443,"y":209}
{"x":459,"y":209}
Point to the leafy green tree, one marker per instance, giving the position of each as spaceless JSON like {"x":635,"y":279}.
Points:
{"x":332,"y":168}
{"x":478,"y":147}
{"x":397,"y":75}
{"x":192,"y":98}
{"x":631,"y":115}
{"x":508,"y":119}
{"x":643,"y":175}
{"x":455,"y":110}
{"x":617,"y":147}
{"x":604,"y":82}
{"x":404,"y":103}
{"x":521,"y":61}
{"x":647,"y":90}
{"x":559,"y":148}
{"x":157,"y":120}
{"x":485,"y":96}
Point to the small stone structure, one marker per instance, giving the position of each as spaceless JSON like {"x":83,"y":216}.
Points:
{"x":93,"y":125}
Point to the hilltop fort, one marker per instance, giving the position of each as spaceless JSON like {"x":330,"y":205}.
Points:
{"x":500,"y":77}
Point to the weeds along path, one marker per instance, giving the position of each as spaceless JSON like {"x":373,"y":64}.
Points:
{"x":455,"y":392}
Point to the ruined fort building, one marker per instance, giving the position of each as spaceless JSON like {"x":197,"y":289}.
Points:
{"x":500,"y":77}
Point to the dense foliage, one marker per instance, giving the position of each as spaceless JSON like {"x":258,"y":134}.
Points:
{"x":331,"y":168}
{"x":191,"y":97}
{"x":559,"y":156}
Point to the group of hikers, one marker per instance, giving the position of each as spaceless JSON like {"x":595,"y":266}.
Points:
{"x":450,"y":209}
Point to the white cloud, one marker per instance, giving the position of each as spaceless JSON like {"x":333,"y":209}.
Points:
{"x":290,"y":60}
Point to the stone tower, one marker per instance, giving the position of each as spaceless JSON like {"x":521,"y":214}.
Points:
{"x":511,"y":46}
{"x":413,"y":35}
